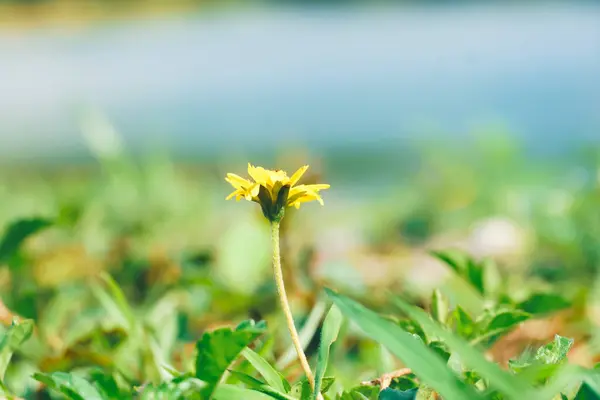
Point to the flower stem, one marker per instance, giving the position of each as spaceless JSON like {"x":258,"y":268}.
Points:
{"x":285,"y":306}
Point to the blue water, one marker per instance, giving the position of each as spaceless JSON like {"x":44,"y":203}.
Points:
{"x":261,"y":79}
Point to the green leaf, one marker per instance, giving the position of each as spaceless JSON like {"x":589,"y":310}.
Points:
{"x":506,"y":320}
{"x":586,"y":392}
{"x":361,"y":393}
{"x":17,"y":232}
{"x":14,"y":337}
{"x":475,"y":275}
{"x":271,"y":375}
{"x":568,"y":375}
{"x":355,"y":395}
{"x":161,"y":391}
{"x":542,"y":364}
{"x":302,"y":390}
{"x":463,"y":323}
{"x":70,"y":385}
{"x":219,"y":348}
{"x":231,"y":392}
{"x":511,"y":386}
{"x":492,"y":279}
{"x":427,"y":393}
{"x":260,"y":386}
{"x":555,"y":352}
{"x":329,"y":334}
{"x":248,"y":380}
{"x":107,"y":384}
{"x":500,"y":324}
{"x":464,"y":266}
{"x":412,"y":327}
{"x":413,"y":352}
{"x":119,"y":299}
{"x":440,"y":349}
{"x":544,"y":303}
{"x":440,"y":307}
{"x":391,"y":394}
{"x":455,"y":259}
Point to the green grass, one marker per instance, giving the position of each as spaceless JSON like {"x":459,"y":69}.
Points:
{"x":139,"y":281}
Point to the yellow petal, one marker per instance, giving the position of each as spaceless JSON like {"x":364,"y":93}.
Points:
{"x":297,"y":175}
{"x":308,"y":196}
{"x":259,"y":174}
{"x":278,"y":176}
{"x":296,"y":190}
{"x":317,"y":187}
{"x":254,"y":190}
{"x":232,"y":194}
{"x":295,"y":193}
{"x":237,"y":181}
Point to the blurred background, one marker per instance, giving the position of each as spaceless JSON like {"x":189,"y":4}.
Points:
{"x":438,"y":124}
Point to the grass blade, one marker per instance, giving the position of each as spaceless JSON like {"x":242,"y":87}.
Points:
{"x":231,"y":392}
{"x":510,"y":385}
{"x":329,"y":334}
{"x":265,"y":369}
{"x":255,"y":384}
{"x":427,"y":365}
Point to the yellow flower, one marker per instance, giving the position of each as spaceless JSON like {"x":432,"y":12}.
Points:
{"x":274,"y":190}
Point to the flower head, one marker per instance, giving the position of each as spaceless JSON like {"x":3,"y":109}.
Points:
{"x":274,"y":190}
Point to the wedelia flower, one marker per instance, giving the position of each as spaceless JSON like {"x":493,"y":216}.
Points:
{"x":274,"y":190}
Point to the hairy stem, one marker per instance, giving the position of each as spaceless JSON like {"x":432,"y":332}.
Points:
{"x":285,"y":306}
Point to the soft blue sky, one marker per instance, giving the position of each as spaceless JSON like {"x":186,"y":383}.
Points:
{"x":306,"y":75}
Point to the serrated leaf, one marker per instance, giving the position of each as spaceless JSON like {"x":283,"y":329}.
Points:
{"x":271,"y":375}
{"x":555,"y":352}
{"x":361,"y":393}
{"x":17,"y":232}
{"x":511,"y":386}
{"x":219,"y":348}
{"x":426,"y":365}
{"x":535,"y":364}
{"x":329,"y":334}
{"x":392,"y":394}
{"x":71,"y":385}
